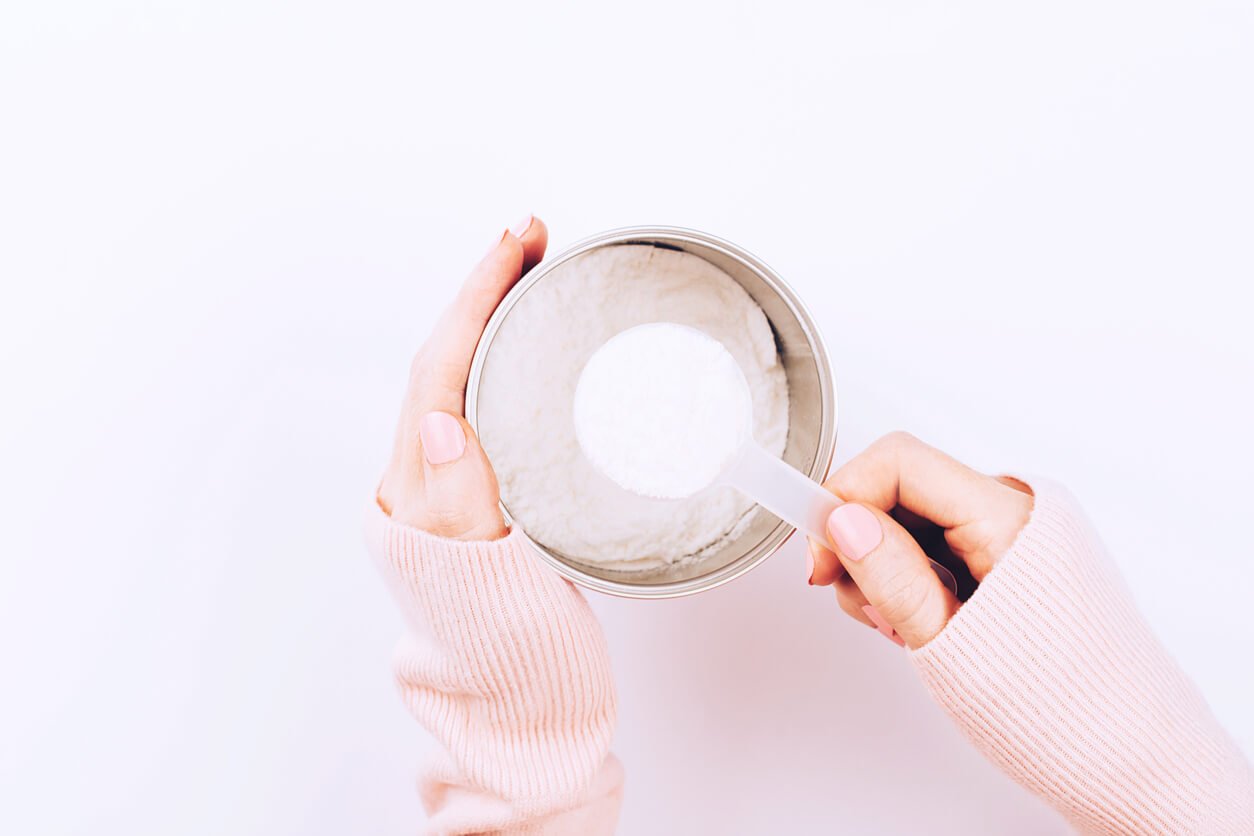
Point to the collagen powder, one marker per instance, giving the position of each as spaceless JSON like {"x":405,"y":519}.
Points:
{"x":662,"y":409}
{"x":526,"y":399}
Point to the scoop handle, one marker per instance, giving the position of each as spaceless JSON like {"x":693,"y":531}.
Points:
{"x":793,"y":497}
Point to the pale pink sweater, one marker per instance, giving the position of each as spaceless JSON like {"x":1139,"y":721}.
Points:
{"x":1048,"y":669}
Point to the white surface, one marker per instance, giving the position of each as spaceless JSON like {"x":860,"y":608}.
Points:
{"x":1023,"y":227}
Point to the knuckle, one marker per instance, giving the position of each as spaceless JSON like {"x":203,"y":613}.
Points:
{"x":448,"y":521}
{"x":448,"y":373}
{"x":899,"y":440}
{"x":419,"y":367}
{"x":906,"y":593}
{"x":434,"y":380}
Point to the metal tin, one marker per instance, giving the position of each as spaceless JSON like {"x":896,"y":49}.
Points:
{"x":811,"y":421}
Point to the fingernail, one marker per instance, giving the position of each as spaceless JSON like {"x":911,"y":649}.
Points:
{"x":877,"y":619}
{"x":520,"y":228}
{"x":442,"y":438}
{"x":855,"y":531}
{"x":883,"y":626}
{"x":496,"y":243}
{"x":810,"y":565}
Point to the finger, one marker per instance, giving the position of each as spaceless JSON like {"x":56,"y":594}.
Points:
{"x":912,"y":522}
{"x":438,"y":378}
{"x":881,"y":624}
{"x":980,"y":514}
{"x":519,"y":249}
{"x":899,"y":469}
{"x":892,"y":572}
{"x":824,"y":566}
{"x":852,"y":601}
{"x":438,"y":375}
{"x":459,"y":493}
{"x":855,"y":605}
{"x":534,"y":236}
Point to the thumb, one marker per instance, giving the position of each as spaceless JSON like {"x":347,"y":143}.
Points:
{"x":892,"y":571}
{"x":459,"y":494}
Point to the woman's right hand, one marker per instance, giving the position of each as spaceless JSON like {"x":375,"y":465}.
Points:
{"x":904,"y":499}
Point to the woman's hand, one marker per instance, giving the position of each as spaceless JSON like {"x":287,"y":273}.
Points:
{"x":439,"y":479}
{"x":904,"y":502}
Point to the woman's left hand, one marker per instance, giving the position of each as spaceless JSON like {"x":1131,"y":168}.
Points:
{"x":439,"y":479}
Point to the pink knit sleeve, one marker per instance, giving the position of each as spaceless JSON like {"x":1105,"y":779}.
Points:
{"x":1052,"y":673}
{"x":506,"y":666}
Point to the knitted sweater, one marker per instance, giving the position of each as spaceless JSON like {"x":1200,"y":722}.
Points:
{"x":1048,"y":669}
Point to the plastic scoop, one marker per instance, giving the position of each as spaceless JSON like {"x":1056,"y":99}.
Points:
{"x":664,"y":411}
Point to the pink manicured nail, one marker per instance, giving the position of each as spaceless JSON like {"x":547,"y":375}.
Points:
{"x":855,"y":531}
{"x":877,"y":619}
{"x":442,"y":438}
{"x":496,"y":243}
{"x":883,"y":626}
{"x":520,"y":228}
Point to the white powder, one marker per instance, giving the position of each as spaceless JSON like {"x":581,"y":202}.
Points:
{"x":526,"y":399}
{"x":662,"y":409}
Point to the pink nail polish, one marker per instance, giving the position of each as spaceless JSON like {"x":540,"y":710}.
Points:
{"x":883,"y":626}
{"x":855,"y":531}
{"x":442,"y":438}
{"x":520,"y":228}
{"x":496,"y":243}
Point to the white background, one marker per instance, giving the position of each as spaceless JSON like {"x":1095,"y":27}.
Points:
{"x":1024,"y":229}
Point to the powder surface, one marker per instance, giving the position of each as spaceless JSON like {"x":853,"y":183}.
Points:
{"x":526,"y":398}
{"x":662,"y":409}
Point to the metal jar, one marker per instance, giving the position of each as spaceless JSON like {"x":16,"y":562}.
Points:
{"x":811,"y":415}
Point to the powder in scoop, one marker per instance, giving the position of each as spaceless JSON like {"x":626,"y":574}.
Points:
{"x":526,"y":398}
{"x":661,"y":409}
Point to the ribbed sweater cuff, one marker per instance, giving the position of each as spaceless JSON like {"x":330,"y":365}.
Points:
{"x":1051,"y":672}
{"x":506,"y":666}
